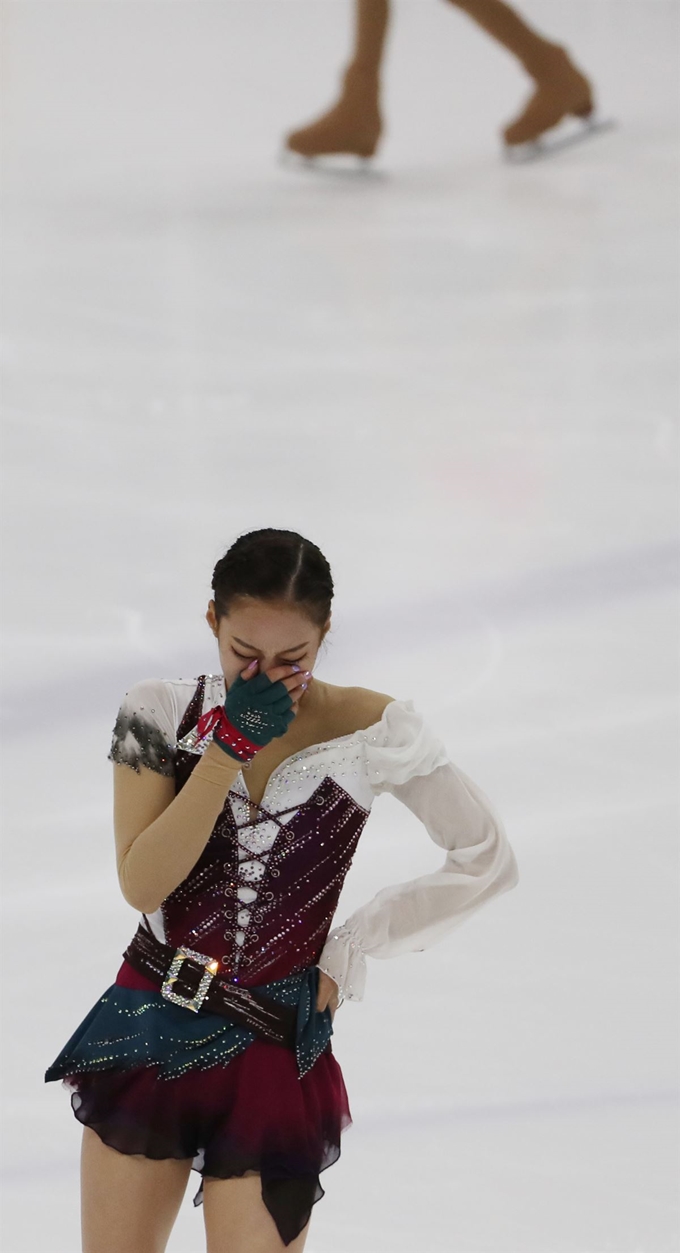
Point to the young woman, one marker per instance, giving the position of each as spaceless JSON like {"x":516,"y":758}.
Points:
{"x":239,"y":802}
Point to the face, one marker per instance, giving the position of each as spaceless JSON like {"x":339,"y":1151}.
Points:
{"x":276,"y":634}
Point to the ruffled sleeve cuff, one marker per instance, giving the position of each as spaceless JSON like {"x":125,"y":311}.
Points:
{"x":344,"y":961}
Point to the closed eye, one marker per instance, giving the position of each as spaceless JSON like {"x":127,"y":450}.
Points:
{"x":285,"y":660}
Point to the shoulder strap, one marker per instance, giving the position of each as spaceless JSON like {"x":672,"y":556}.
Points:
{"x":193,"y":710}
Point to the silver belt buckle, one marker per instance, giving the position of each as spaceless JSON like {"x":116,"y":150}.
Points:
{"x":189,"y":1002}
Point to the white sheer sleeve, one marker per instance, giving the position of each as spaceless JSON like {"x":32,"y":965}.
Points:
{"x":413,"y":764}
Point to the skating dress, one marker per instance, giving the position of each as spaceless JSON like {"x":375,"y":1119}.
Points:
{"x":152,"y":1077}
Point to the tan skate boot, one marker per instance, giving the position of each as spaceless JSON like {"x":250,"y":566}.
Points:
{"x":353,"y":125}
{"x":561,"y":91}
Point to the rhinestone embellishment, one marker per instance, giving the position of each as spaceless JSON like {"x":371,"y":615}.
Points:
{"x":189,"y":1002}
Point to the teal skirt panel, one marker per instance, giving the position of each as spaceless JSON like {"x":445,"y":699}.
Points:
{"x":127,"y":1028}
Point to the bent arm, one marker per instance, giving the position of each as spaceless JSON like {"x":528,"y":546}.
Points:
{"x":404,"y":917}
{"x":159,"y":835}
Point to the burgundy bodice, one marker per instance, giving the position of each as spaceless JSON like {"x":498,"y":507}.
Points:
{"x":297,"y":891}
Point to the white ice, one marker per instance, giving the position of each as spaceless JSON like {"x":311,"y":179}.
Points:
{"x":458,"y":379}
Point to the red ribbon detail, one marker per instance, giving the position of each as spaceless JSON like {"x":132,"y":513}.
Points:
{"x":216,"y":720}
{"x":208,"y":721}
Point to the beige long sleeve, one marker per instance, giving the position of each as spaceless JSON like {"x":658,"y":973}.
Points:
{"x":160,"y":836}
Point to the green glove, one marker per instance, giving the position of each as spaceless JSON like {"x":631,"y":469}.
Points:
{"x":255,"y":710}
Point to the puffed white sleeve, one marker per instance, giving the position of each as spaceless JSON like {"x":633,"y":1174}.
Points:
{"x":408,"y":760}
{"x":144,"y":733}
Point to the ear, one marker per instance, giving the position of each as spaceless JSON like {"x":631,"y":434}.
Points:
{"x":211,"y":618}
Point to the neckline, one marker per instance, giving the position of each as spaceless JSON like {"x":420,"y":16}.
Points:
{"x":337,"y":739}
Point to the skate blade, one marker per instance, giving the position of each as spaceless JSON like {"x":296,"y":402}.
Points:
{"x":567,"y":135}
{"x":340,"y":163}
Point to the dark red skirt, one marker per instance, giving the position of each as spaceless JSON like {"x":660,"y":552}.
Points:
{"x":253,"y":1114}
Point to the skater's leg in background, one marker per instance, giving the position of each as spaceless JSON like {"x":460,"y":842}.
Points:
{"x":508,"y":28}
{"x":354,"y":123}
{"x":561,"y":89}
{"x":128,"y":1203}
{"x":370,"y":28}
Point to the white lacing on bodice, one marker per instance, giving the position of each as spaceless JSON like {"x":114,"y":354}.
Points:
{"x":254,"y":847}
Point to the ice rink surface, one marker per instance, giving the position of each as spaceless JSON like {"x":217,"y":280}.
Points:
{"x":457,"y":378}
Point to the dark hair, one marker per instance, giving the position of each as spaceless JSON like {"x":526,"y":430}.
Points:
{"x":274,"y":565}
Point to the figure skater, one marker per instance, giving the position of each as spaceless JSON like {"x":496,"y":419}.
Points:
{"x":239,"y":799}
{"x":354,"y":124}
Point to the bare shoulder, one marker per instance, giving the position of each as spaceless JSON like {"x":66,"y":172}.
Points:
{"x":371,"y":704}
{"x":349,"y":709}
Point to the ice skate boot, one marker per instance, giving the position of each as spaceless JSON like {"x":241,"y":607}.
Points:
{"x":353,"y":126}
{"x":561,"y":92}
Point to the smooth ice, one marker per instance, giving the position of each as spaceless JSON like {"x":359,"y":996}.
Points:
{"x":456,"y":377}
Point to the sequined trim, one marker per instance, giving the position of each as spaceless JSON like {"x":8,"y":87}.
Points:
{"x":128,"y":1028}
{"x":137,"y":742}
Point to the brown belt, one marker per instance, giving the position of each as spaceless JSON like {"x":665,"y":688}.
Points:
{"x":174,"y":972}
